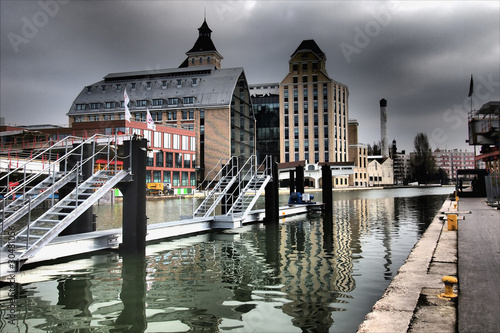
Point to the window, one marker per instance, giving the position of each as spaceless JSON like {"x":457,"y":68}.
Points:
{"x":89,"y":89}
{"x":173,"y":101}
{"x":185,"y":179}
{"x":141,"y":103}
{"x":148,"y":85}
{"x":184,"y":114}
{"x":188,"y":100}
{"x":187,"y":160}
{"x":169,"y":160}
{"x":156,"y":116}
{"x":166,"y":177}
{"x":193,"y":147}
{"x":194,"y":81}
{"x":159,"y":159}
{"x":179,"y":82}
{"x":157,"y":102}
{"x":167,"y":140}
{"x":157,"y":176}
{"x":172,"y":115}
{"x":110,"y":105}
{"x":164,"y":84}
{"x":178,"y":160}
{"x":185,"y":142}
{"x":95,"y":106}
{"x":176,"y":141}
{"x":133,"y":86}
{"x":192,"y":178}
{"x":157,"y":139}
{"x":175,"y":178}
{"x":103,"y":88}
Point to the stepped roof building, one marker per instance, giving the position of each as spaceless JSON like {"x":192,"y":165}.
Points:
{"x":198,"y":96}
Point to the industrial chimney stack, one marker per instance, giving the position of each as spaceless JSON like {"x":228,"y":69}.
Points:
{"x":384,"y":145}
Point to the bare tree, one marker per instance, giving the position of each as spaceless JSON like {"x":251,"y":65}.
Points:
{"x":422,"y":161}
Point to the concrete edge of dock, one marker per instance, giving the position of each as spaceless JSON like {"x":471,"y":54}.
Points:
{"x":411,"y":303}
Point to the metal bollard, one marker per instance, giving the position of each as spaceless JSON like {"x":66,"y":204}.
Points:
{"x":452,"y":222}
{"x":449,"y":281}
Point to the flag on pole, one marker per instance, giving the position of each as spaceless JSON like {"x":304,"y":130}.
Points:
{"x":127,"y":100}
{"x":471,"y":87}
{"x":149,"y":120}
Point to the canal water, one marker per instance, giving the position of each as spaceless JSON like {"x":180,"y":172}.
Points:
{"x":308,"y":273}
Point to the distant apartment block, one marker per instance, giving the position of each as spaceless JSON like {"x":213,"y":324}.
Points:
{"x":451,"y":160}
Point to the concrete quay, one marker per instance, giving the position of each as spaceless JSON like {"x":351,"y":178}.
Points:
{"x":471,"y":254}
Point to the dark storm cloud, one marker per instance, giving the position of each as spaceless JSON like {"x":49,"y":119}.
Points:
{"x":418,"y":55}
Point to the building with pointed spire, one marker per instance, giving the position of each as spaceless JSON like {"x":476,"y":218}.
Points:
{"x":203,"y":53}
{"x":207,"y":101}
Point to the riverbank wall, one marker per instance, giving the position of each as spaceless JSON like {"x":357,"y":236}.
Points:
{"x":410,"y":302}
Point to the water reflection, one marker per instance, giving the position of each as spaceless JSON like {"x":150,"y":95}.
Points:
{"x":307,"y":273}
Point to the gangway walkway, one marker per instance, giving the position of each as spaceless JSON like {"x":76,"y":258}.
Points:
{"x":21,"y":242}
{"x":41,"y":231}
{"x":249,"y":182}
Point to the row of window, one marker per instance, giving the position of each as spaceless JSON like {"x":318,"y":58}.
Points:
{"x":176,"y":178}
{"x":142,"y":103}
{"x":168,"y":140}
{"x":171,"y":160}
{"x":164,"y":84}
{"x":305,"y":66}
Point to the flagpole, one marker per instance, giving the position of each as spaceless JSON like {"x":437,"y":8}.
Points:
{"x":471,"y":92}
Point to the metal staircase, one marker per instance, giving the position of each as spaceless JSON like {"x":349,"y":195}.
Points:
{"x":41,"y":231}
{"x":35,"y":196}
{"x":248,"y":197}
{"x":21,"y":240}
{"x":256,"y":179}
{"x":221,"y":184}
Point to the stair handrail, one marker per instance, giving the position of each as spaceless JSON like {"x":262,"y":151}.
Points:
{"x":250,"y":168}
{"x":228,"y":168}
{"x":251,"y":174}
{"x":38,"y":156}
{"x":67,"y":154}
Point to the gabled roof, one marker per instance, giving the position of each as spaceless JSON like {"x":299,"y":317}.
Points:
{"x":213,"y":88}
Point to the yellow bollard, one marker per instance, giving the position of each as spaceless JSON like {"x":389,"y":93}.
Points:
{"x":449,"y":281}
{"x":452,"y":222}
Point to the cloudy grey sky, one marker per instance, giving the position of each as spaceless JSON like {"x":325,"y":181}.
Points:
{"x":418,"y":55}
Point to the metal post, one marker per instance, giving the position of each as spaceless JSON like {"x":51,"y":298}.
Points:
{"x":29,"y":222}
{"x":3,"y":218}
